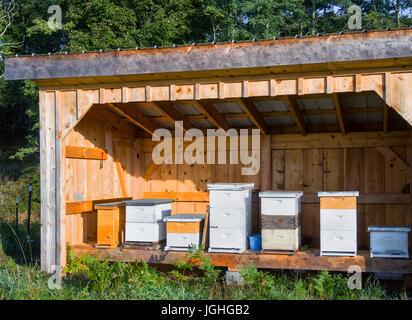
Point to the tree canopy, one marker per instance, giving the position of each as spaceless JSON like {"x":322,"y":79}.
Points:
{"x":111,"y":24}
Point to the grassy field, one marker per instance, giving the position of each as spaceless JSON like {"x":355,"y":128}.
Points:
{"x":88,"y":278}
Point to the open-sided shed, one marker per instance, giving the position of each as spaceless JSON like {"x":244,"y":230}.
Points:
{"x":334,"y":111}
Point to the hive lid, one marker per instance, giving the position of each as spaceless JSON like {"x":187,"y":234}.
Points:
{"x":185,"y":218}
{"x":280,"y":194}
{"x":338,"y":194}
{"x":108,"y":205}
{"x":230,"y":186}
{"x":146,"y":202}
{"x":387,"y":228}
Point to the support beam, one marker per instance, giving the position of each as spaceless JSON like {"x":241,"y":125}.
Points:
{"x":85,"y":153}
{"x":296,"y":113}
{"x":254,"y":114}
{"x":134,"y":116}
{"x":386,"y":118}
{"x":213,"y":114}
{"x":172,"y":114}
{"x":339,"y":112}
{"x":391,"y":156}
{"x":199,"y":196}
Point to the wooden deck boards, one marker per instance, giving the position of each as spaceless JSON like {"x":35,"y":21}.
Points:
{"x":300,"y":261}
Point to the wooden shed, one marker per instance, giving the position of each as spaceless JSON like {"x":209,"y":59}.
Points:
{"x":334,"y":111}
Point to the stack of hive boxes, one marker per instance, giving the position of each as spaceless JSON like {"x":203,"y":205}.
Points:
{"x":183,"y":231}
{"x":338,"y":233}
{"x":144,"y":220}
{"x":230,"y":216}
{"x":280,"y":220}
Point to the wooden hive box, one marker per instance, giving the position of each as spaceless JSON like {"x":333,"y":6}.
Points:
{"x":184,"y":230}
{"x":144,"y":220}
{"x":389,"y":242}
{"x":338,"y":223}
{"x":280,"y":220}
{"x":110,"y":224}
{"x":230,"y":216}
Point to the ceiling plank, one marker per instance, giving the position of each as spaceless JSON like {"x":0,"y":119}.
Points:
{"x":254,"y":114}
{"x":339,"y":112}
{"x":296,"y":113}
{"x":213,"y":114}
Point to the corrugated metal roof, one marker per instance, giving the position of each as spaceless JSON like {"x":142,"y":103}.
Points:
{"x":188,"y":109}
{"x":279,"y":121}
{"x":229,"y":107}
{"x":317,"y":104}
{"x":271,"y":106}
{"x":149,"y":111}
{"x":202,"y":123}
{"x":240,"y":122}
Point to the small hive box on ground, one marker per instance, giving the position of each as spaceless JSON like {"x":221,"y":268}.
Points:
{"x":183,"y":231}
{"x":144,"y":220}
{"x":280,"y":220}
{"x":110,"y":224}
{"x":230,"y":216}
{"x":389,"y":242}
{"x":338,"y":233}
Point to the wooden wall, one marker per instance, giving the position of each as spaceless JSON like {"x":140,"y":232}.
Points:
{"x":295,"y":166}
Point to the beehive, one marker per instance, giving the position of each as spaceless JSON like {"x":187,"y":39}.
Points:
{"x":184,"y":230}
{"x":230,"y":216}
{"x":144,"y":220}
{"x":280,"y":220}
{"x":389,"y":242}
{"x":338,"y":233}
{"x":110,"y":224}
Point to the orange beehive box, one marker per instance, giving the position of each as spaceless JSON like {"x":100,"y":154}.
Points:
{"x":110,"y":224}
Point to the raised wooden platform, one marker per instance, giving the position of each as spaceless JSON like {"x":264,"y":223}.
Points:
{"x":300,"y":261}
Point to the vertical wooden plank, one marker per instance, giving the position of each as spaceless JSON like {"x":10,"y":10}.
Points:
{"x":312,"y":183}
{"x":185,"y":183}
{"x":333,"y":169}
{"x":408,"y":219}
{"x":278,"y":170}
{"x":395,"y":180}
{"x":293,"y":170}
{"x":48,"y":180}
{"x":354,"y":181}
{"x":266,"y":163}
{"x":374,"y":183}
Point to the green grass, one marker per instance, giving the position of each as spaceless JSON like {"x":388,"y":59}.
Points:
{"x":89,"y":278}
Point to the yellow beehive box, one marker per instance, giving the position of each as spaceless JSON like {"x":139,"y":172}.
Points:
{"x":110,"y":224}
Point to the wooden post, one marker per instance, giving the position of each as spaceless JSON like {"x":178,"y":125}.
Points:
{"x":48,"y":182}
{"x":266,"y":163}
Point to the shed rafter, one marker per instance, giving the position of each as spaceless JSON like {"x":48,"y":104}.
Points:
{"x":296,"y":113}
{"x":134,"y":116}
{"x":169,"y":110}
{"x":250,"y":108}
{"x":339,"y":112}
{"x":213,"y":114}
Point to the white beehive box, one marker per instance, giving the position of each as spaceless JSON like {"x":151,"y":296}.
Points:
{"x":184,"y":230}
{"x":230,"y":216}
{"x":389,"y":242}
{"x":338,"y":223}
{"x":280,"y":220}
{"x":144,"y":220}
